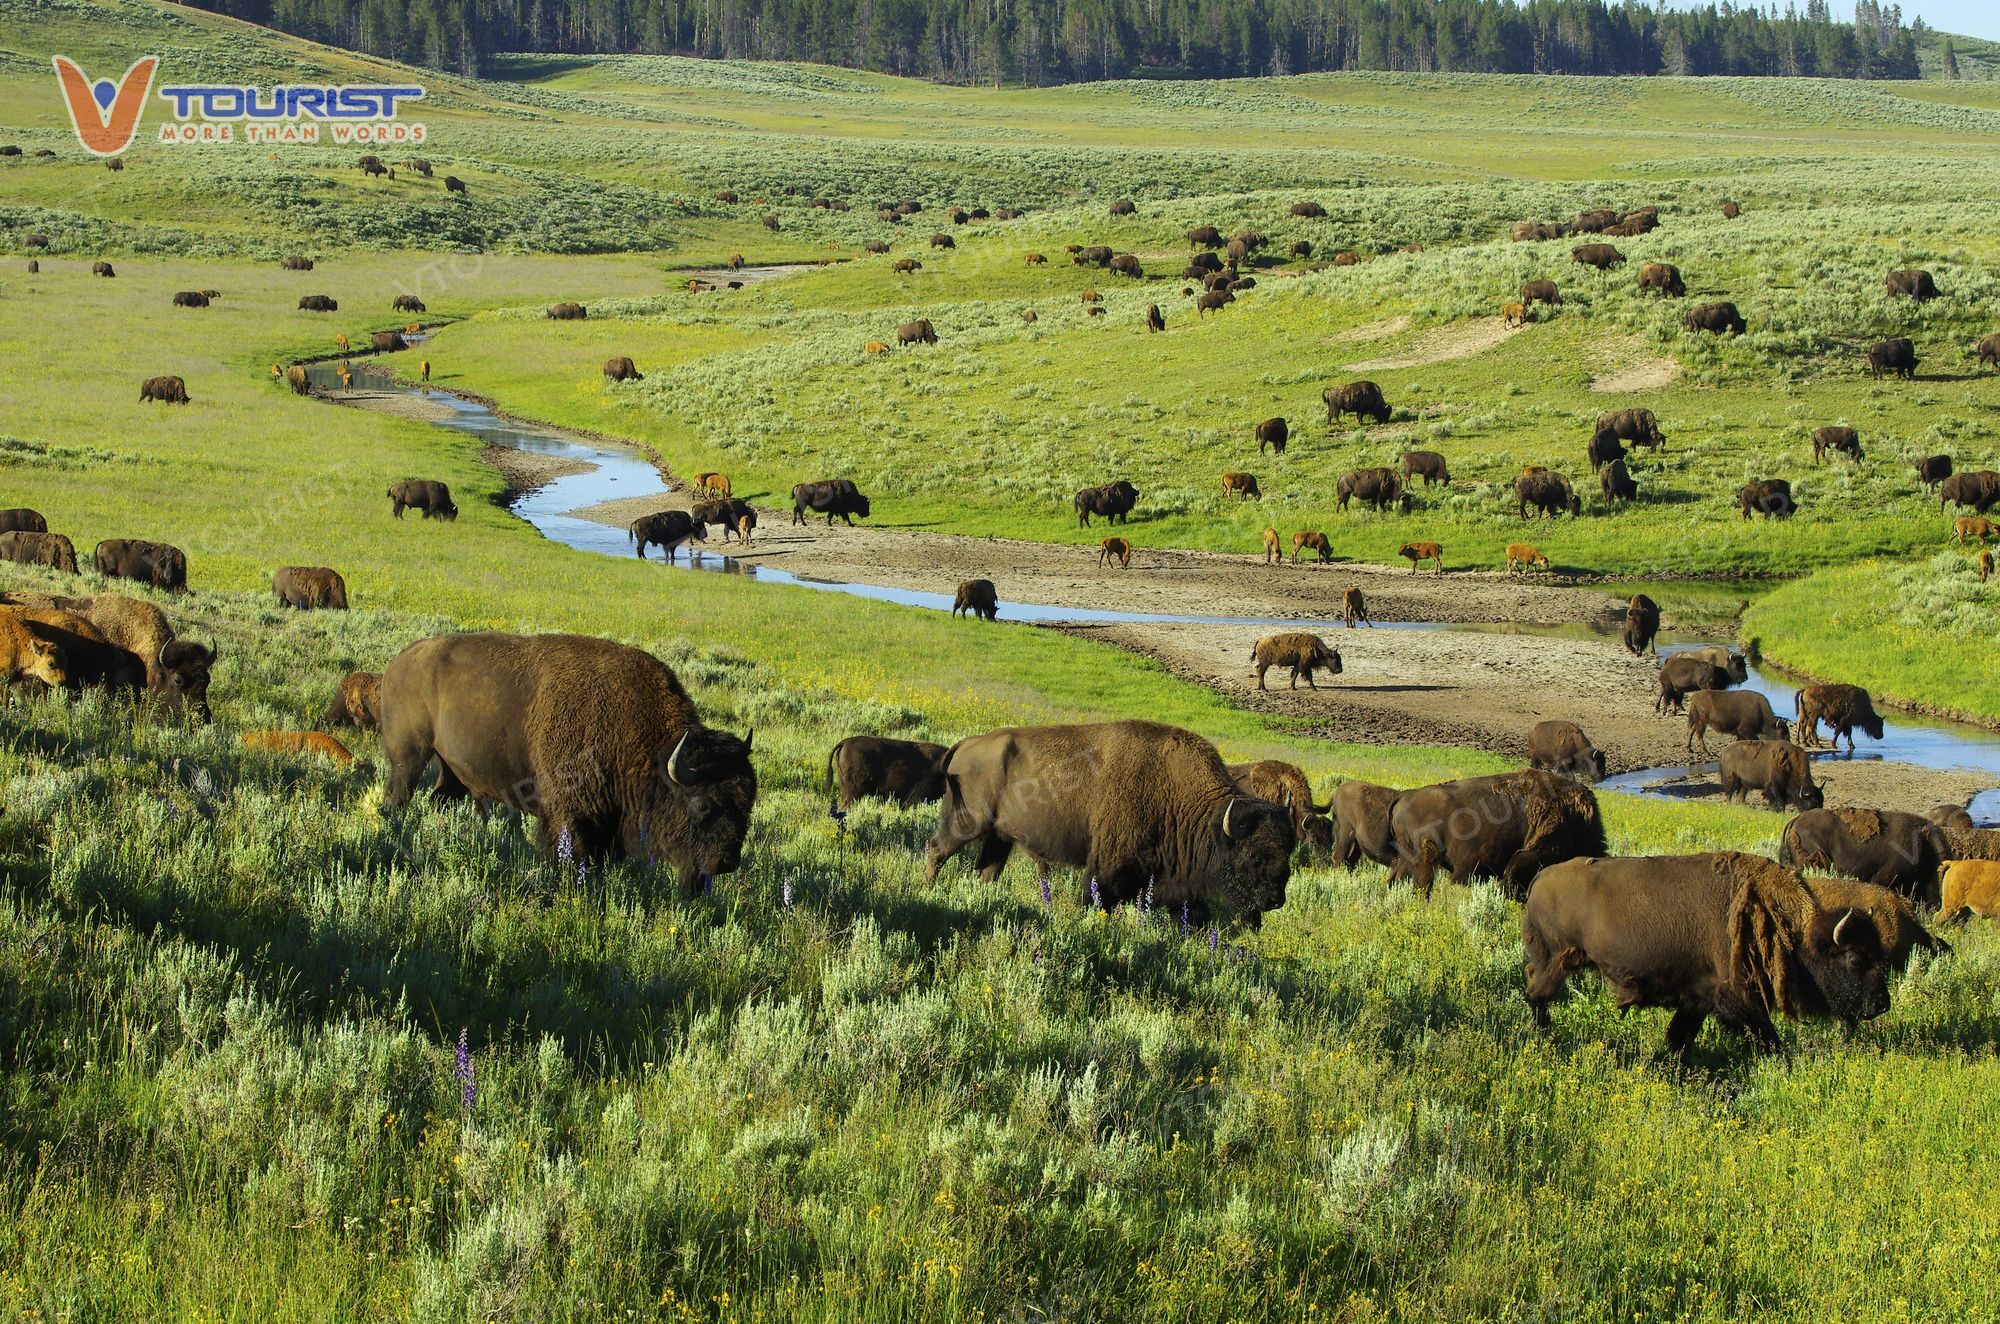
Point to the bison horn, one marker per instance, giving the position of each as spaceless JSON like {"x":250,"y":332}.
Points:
{"x":1841,"y":928}
{"x":1228,"y":811}
{"x":674,"y":761}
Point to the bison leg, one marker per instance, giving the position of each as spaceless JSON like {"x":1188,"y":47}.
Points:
{"x":407,"y":756}
{"x":1262,"y":667}
{"x":1682,"y":1031}
{"x":399,"y":510}
{"x":993,"y":852}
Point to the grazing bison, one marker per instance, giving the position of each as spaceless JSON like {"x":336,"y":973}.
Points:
{"x":1135,"y":806}
{"x":1033,"y":259}
{"x":919,"y":332}
{"x":1617,"y":483}
{"x":1285,"y":784}
{"x":1301,"y":248}
{"x":1091,"y":256}
{"x":1241,"y":485}
{"x":830,"y":497}
{"x":158,"y":564}
{"x":1303,"y":653}
{"x":425,"y":494}
{"x":102,"y":269}
{"x":1124,"y":207}
{"x":1548,"y":493}
{"x":1203,"y":264}
{"x":25,"y":653}
{"x":1309,"y":210}
{"x":567,"y":312}
{"x":1732,"y":936}
{"x":880,"y":768}
{"x":190,"y":299}
{"x":977,"y":597}
{"x":1272,"y":555}
{"x":1637,"y":426}
{"x":30,"y":547}
{"x":1361,"y":399}
{"x":1663,"y":278}
{"x":23,"y":520}
{"x":668,"y":530}
{"x":1114,"y":501}
{"x":1932,"y":470}
{"x":597,"y":740}
{"x":1125,"y":264}
{"x":1684,"y":674}
{"x":1604,"y":448}
{"x":1311,"y":540}
{"x":1716,"y":319}
{"x":1975,"y":527}
{"x":1427,"y":465}
{"x":1155,"y":321}
{"x":167,"y":390}
{"x":1272,"y":432}
{"x":1741,"y":715}
{"x":1730,"y":210}
{"x":1916,"y":285}
{"x":1967,"y":888}
{"x":1601,"y":256}
{"x":1380,"y":487}
{"x":1768,"y":497}
{"x":622,"y":369}
{"x":296,"y":263}
{"x":1204,"y":236}
{"x":1778,"y":768}
{"x":1729,"y":660}
{"x":1986,"y":351}
{"x":1212,"y":302}
{"x":357,"y":702}
{"x":1540,"y":291}
{"x":1354,"y":608}
{"x":388,"y":342}
{"x":1419,"y":552}
{"x":943,"y":241}
{"x":1526,"y":557}
{"x":298,"y":379}
{"x":733,"y":514}
{"x":307,"y":587}
{"x":299,"y":742}
{"x":1595,"y":221}
{"x":453,"y":184}
{"x":407,"y":303}
{"x":1114,"y":549}
{"x":1361,"y":813}
{"x":1513,"y":315}
{"x":85,"y":654}
{"x":1842,"y":708}
{"x":1977,"y":488}
{"x":318,"y":303}
{"x":1557,"y":746}
{"x":1346,"y":259}
{"x":1508,"y":827}
{"x":1879,"y":846}
{"x":1845,"y":440}
{"x":1897,"y":356}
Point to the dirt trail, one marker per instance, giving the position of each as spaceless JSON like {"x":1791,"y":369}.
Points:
{"x":1460,"y":340}
{"x":1625,"y":364}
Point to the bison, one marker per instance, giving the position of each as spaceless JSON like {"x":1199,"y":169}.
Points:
{"x":1525,"y":557}
{"x":1427,"y":465}
{"x":357,"y":702}
{"x":1684,"y":674}
{"x":1897,"y":356}
{"x":1664,"y":278}
{"x":166,"y":390}
{"x":1125,"y":264}
{"x":1604,"y":449}
{"x":1637,"y":426}
{"x":1361,"y":827}
{"x":1241,"y":485}
{"x":1916,"y":285}
{"x":1380,"y":487}
{"x":296,"y":263}
{"x":881,"y":768}
{"x":1769,"y":497}
{"x":830,"y":497}
{"x":1741,"y":715}
{"x":102,"y":269}
{"x":1361,"y":399}
{"x":1115,"y":549}
{"x":30,"y":547}
{"x":1416,"y":553}
{"x":1303,"y":653}
{"x":1558,"y":746}
{"x":1285,"y":784}
{"x":1213,"y":302}
{"x":1842,"y":708}
{"x":407,"y":303}
{"x":190,"y":299}
{"x":1540,"y":291}
{"x":1272,"y":432}
{"x":977,"y":597}
{"x":453,"y":184}
{"x":1601,"y":256}
{"x":1727,"y":935}
{"x":318,"y":303}
{"x":1308,"y":540}
{"x":1977,"y":488}
{"x":1879,"y":846}
{"x":298,"y":379}
{"x":388,"y":342}
{"x":1716,"y":318}
{"x":160,"y":565}
{"x":622,"y":369}
{"x":425,"y":494}
{"x":21,"y":519}
{"x":1508,"y":827}
{"x":1778,"y":768}
{"x":668,"y":530}
{"x":1155,"y":321}
{"x":1932,"y":470}
{"x":1617,"y":483}
{"x":306,"y":587}
{"x":25,"y":653}
{"x":567,"y":312}
{"x":943,"y":241}
{"x":1114,"y":501}
{"x":1205,"y":236}
{"x":1136,"y":806}
{"x":919,"y":332}
{"x":1967,"y":888}
{"x":1844,"y":440}
{"x":1354,"y":608}
{"x":1548,"y":493}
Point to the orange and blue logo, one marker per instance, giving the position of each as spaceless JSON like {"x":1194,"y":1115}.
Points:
{"x":106,"y":114}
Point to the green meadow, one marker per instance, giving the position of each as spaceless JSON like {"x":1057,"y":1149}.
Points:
{"x":232,"y":993}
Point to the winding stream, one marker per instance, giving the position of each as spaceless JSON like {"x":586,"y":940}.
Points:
{"x":616,"y":473}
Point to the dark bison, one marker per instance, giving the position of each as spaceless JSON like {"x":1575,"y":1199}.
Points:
{"x":167,"y":390}
{"x":1778,"y":768}
{"x":22,"y":520}
{"x":296,"y":263}
{"x":1303,"y":653}
{"x":1548,"y":493}
{"x":919,"y":332}
{"x":667,"y":530}
{"x":357,"y":702}
{"x":1664,"y":278}
{"x":1932,"y":470}
{"x":1530,"y":231}
{"x":977,"y":597}
{"x":1124,"y":207}
{"x":425,"y":494}
{"x":1204,"y":264}
{"x":1738,"y":714}
{"x":307,"y":587}
{"x":1285,"y":784}
{"x":1379,"y":487}
{"x":1726,"y":935}
{"x":1595,"y":221}
{"x":1508,"y":827}
{"x":453,"y":184}
{"x":567,"y":312}
{"x":1730,"y":209}
{"x":906,"y":265}
{"x":1728,"y":659}
{"x":1154,"y":320}
{"x":407,"y":303}
{"x":943,"y":241}
{"x":1212,"y":302}
{"x":190,"y":299}
{"x":1897,"y":356}
{"x":1977,"y":488}
{"x":1642,"y":625}
{"x":1637,"y":426}
{"x":1114,"y":501}
{"x":158,"y":564}
{"x":1427,"y":465}
{"x":1092,"y":256}
{"x":1309,"y":210}
{"x":1879,"y":846}
{"x":829,"y":497}
{"x":597,"y":740}
{"x":388,"y":342}
{"x":1272,"y":432}
{"x":318,"y":303}
{"x":177,"y":671}
{"x":622,"y":369}
{"x":1683,"y":674}
{"x":28,"y":547}
{"x":1604,"y":448}
{"x":1204,"y":236}
{"x":1616,"y":481}
{"x":1916,"y":285}
{"x":1361,"y":399}
{"x":1125,"y":264}
{"x":1600,"y":256}
{"x":879,"y":768}
{"x":1135,"y":806}
{"x":1540,"y":291}
{"x":875,"y":246}
{"x":102,"y":269}
{"x":1842,"y":708}
{"x":734,"y":514}
{"x":1842,"y":439}
{"x":1558,"y":746}
{"x":1769,"y":497}
{"x":1716,"y":318}
{"x":1361,"y":823}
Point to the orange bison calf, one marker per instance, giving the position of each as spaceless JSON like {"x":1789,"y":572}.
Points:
{"x":298,"y":742}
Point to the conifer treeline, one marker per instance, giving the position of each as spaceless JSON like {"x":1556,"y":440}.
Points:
{"x":1054,"y":41}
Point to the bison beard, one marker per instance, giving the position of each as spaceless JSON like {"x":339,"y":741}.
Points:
{"x":1134,"y":805}
{"x":1508,"y":827}
{"x":597,"y":740}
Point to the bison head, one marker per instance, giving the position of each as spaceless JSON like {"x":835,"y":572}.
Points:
{"x":1316,"y":835}
{"x":700,"y":809}
{"x":184,"y":675}
{"x":1254,"y":842}
{"x":1843,"y":954}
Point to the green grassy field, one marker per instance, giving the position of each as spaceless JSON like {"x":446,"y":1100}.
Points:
{"x":231,"y":992}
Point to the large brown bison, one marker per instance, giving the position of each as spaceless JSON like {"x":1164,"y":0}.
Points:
{"x":1380,"y":488}
{"x":1601,"y":256}
{"x":1605,"y":448}
{"x":1285,"y":784}
{"x":977,"y":597}
{"x":1740,"y":715}
{"x":1272,"y":432}
{"x":307,"y":587}
{"x":1932,"y":470}
{"x":167,"y":390}
{"x":910,"y":772}
{"x":597,"y":740}
{"x":1205,"y":264}
{"x":1719,"y":319}
{"x":830,"y":497}
{"x":567,"y":312}
{"x":1361,"y":827}
{"x":1879,"y":846}
{"x":1683,"y":674}
{"x":102,"y":269}
{"x":21,"y":519}
{"x":1986,"y":351}
{"x":298,"y":379}
{"x":1530,"y":231}
{"x":734,"y":514}
{"x":1732,"y":663}
{"x":407,"y":303}
{"x":1977,"y":488}
{"x":1125,"y":264}
{"x":1540,"y":291}
{"x":1916,"y":285}
{"x":1769,"y":497}
{"x":1507,"y":827}
{"x":1092,"y":255}
{"x":28,"y":547}
{"x":1726,"y":935}
{"x":1309,"y":210}
{"x":1663,"y":278}
{"x":1842,"y":708}
{"x":296,"y":263}
{"x":1114,"y":501}
{"x":1303,"y":653}
{"x":1154,"y":320}
{"x":1778,"y":768}
{"x":1558,"y":746}
{"x":1548,"y":493}
{"x":388,"y":342}
{"x":1637,"y":426}
{"x":425,"y":494}
{"x":1843,"y":440}
{"x":1124,"y":207}
{"x":158,"y":564}
{"x":1896,"y":356}
{"x":919,"y":332}
{"x":1642,"y":625}
{"x":1427,"y":465}
{"x":1594,"y":221}
{"x":357,"y":702}
{"x":1239,"y":484}
{"x":667,"y":530}
{"x":1617,"y":483}
{"x":190,"y":299}
{"x":1204,"y":236}
{"x":177,"y":672}
{"x":622,"y":369}
{"x":1361,"y":399}
{"x":318,"y":303}
{"x":1212,"y":302}
{"x":1132,"y":805}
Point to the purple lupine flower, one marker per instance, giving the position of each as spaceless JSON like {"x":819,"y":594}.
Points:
{"x":1096,"y":900}
{"x":1186,"y":928}
{"x":1047,"y":899}
{"x":708,"y":884}
{"x":466,"y":1092}
{"x":1214,"y":937}
{"x":1146,"y":899}
{"x":786,"y":893}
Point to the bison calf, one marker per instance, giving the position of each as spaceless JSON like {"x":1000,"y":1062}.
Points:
{"x":978,"y":597}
